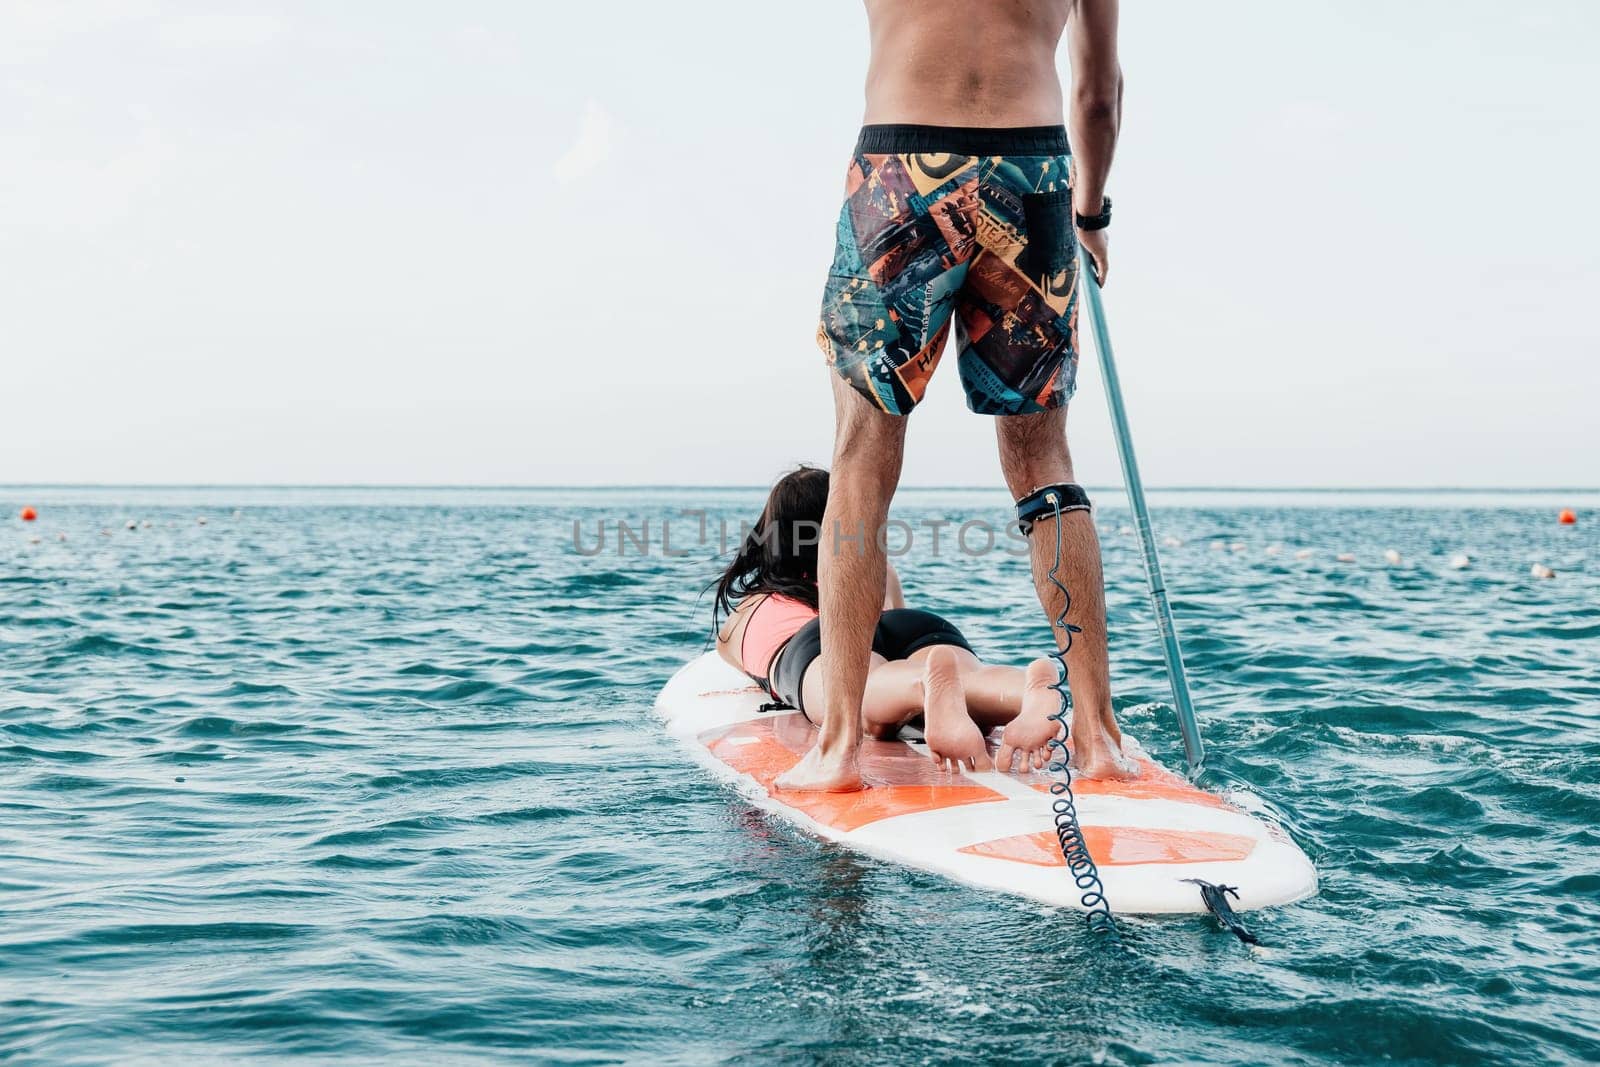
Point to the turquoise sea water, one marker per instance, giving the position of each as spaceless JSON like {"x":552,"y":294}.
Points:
{"x":363,"y":774}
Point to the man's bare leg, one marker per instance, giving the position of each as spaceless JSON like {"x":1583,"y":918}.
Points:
{"x":1033,"y":454}
{"x":868,"y":446}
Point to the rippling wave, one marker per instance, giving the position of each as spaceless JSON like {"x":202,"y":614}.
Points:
{"x":374,"y":774}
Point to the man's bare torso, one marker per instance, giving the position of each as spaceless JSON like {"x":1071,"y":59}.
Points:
{"x":965,"y":62}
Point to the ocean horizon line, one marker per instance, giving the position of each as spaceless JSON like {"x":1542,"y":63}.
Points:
{"x":679,"y":486}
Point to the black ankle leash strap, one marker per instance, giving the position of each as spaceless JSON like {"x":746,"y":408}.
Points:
{"x":1063,"y":496}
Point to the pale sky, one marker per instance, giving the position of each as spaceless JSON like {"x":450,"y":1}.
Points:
{"x":1357,"y":243}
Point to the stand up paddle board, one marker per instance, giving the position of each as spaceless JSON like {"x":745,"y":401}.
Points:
{"x":987,"y":829}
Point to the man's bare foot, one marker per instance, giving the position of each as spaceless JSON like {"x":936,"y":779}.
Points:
{"x":1099,"y":757}
{"x":1028,"y":735}
{"x":954,"y":740}
{"x":1108,"y":720}
{"x":816,"y":773}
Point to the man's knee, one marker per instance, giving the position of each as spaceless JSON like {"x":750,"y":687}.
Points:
{"x":868,"y":445}
{"x":864,"y":477}
{"x":1033,"y":450}
{"x":870,"y":439}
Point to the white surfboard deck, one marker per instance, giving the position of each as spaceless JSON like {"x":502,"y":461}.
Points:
{"x":987,"y":829}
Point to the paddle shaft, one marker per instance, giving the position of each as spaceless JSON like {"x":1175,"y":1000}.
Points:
{"x":1194,"y":751}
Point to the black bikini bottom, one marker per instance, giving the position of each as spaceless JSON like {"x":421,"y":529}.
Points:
{"x":900,"y":632}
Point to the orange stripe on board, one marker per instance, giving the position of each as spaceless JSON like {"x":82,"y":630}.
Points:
{"x":1120,"y":846}
{"x":901,"y":781}
{"x":1155,"y":782}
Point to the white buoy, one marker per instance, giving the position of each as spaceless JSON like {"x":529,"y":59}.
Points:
{"x":132,"y":525}
{"x":1237,"y":546}
{"x":1171,"y":542}
{"x":1125,"y":531}
{"x":1218,"y":546}
{"x":147,"y":524}
{"x":1304,"y":553}
{"x":1539,"y":570}
{"x":1346,"y":557}
{"x":1460,"y":561}
{"x":201,"y":520}
{"x":1273,"y":550}
{"x":1391,"y":555}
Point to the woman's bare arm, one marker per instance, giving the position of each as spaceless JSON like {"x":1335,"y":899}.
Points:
{"x":731,"y":636}
{"x":893,"y":595}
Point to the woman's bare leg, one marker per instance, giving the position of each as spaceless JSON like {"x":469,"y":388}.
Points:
{"x":996,"y":696}
{"x":928,"y":684}
{"x":893,"y":695}
{"x":954,"y":740}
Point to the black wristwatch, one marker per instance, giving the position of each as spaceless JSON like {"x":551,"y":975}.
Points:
{"x":1095,"y":222}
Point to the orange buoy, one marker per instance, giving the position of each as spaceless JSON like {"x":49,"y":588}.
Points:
{"x":1568,"y":517}
{"x":28,"y":514}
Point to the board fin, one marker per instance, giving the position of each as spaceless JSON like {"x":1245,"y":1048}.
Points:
{"x":1216,"y":901}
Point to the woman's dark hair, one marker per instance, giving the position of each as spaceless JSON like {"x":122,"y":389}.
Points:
{"x":779,"y":554}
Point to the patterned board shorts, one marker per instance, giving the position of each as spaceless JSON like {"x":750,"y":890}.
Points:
{"x":972,"y":221}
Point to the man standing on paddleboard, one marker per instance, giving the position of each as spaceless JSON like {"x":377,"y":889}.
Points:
{"x":964,"y":205}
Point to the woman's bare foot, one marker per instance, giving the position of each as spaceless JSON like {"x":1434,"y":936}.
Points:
{"x":819,"y":773}
{"x":954,"y":740}
{"x":1029,"y":734}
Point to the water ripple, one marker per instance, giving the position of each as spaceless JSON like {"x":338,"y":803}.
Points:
{"x":377,"y":778}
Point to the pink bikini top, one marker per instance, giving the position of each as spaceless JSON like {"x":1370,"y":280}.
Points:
{"x":772,"y":623}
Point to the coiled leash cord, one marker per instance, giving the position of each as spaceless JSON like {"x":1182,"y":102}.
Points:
{"x":1069,"y":832}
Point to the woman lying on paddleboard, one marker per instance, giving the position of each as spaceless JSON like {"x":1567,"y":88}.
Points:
{"x":921,"y":664}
